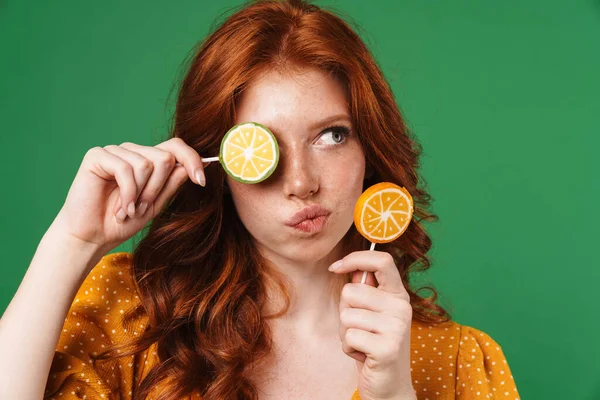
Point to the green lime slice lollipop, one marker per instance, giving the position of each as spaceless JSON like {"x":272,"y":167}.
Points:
{"x":249,"y":152}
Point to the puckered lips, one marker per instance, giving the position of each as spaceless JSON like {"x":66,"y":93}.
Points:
{"x":310,"y":219}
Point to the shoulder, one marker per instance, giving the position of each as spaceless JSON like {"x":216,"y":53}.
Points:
{"x":423,"y":333}
{"x":451,"y":359}
{"x":460,"y":338}
{"x":477,"y":349}
{"x":482,"y":366}
{"x":107,"y":299}
{"x":110,"y":279}
{"x":116,"y":266}
{"x":108,"y":295}
{"x":105,"y":311}
{"x":474,"y":340}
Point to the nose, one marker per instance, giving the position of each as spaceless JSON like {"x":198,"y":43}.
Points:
{"x":300,"y":175}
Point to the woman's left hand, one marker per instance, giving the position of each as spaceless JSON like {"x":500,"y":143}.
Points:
{"x":375,"y":323}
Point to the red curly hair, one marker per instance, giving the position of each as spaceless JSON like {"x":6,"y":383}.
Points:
{"x":199,"y":276}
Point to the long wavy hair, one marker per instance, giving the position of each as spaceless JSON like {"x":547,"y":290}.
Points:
{"x":199,"y":276}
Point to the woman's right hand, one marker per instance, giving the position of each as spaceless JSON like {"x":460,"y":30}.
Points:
{"x":114,"y":178}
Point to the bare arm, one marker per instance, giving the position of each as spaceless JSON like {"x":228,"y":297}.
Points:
{"x":92,"y":221}
{"x":31,"y":325}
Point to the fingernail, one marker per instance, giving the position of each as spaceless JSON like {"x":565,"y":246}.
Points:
{"x":121,"y":215}
{"x":200,"y":177}
{"x":142,"y":208}
{"x":336,"y":265}
{"x":131,"y":209}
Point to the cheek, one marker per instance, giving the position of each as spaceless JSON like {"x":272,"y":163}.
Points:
{"x":248,"y":202}
{"x":242,"y":197}
{"x":345,"y":174}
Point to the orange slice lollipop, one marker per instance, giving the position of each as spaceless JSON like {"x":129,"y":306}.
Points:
{"x":383,"y":212}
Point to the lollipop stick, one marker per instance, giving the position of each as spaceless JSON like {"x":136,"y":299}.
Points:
{"x":364,"y":277}
{"x":209,"y":159}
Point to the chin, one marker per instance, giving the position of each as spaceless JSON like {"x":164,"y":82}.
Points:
{"x":305,"y":250}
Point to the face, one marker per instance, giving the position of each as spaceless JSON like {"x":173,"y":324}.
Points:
{"x":318,"y":164}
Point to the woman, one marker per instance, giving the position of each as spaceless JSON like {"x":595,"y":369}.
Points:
{"x":225,"y":297}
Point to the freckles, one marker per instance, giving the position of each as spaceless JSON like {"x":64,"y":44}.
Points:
{"x":257,"y":204}
{"x":348,"y":168}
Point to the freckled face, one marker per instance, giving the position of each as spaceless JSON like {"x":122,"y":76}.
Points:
{"x":318,"y":164}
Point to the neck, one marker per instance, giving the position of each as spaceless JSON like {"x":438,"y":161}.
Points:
{"x":314,"y":296}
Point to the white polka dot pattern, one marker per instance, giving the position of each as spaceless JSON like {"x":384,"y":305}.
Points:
{"x":448,"y":361}
{"x":483,"y":372}
{"x":95,"y":321}
{"x":453,"y":361}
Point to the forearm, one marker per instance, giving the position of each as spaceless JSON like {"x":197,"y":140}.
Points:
{"x":32,"y":323}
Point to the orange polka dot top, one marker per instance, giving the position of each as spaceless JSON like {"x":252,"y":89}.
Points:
{"x":448,"y":361}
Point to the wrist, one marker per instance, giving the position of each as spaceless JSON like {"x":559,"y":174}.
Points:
{"x":83,"y":255}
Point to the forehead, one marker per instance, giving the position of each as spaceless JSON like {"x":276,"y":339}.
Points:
{"x":299,"y":98}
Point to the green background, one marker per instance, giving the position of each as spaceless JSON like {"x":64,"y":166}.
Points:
{"x":503,"y":96}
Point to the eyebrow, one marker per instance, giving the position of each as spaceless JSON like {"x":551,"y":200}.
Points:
{"x":329,"y":120}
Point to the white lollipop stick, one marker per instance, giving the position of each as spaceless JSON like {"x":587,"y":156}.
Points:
{"x":364,"y":277}
{"x":209,"y":159}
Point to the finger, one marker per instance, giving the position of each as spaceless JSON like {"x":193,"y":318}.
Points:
{"x":381,"y":350}
{"x":358,"y":319}
{"x":164,"y":165}
{"x":111,"y":167}
{"x":357,"y":355}
{"x":142,"y":170}
{"x":367,"y":320}
{"x":384,"y":325}
{"x":362,"y":341}
{"x":187,"y":157}
{"x":380,"y":263}
{"x":175,"y":180}
{"x":357,"y":295}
